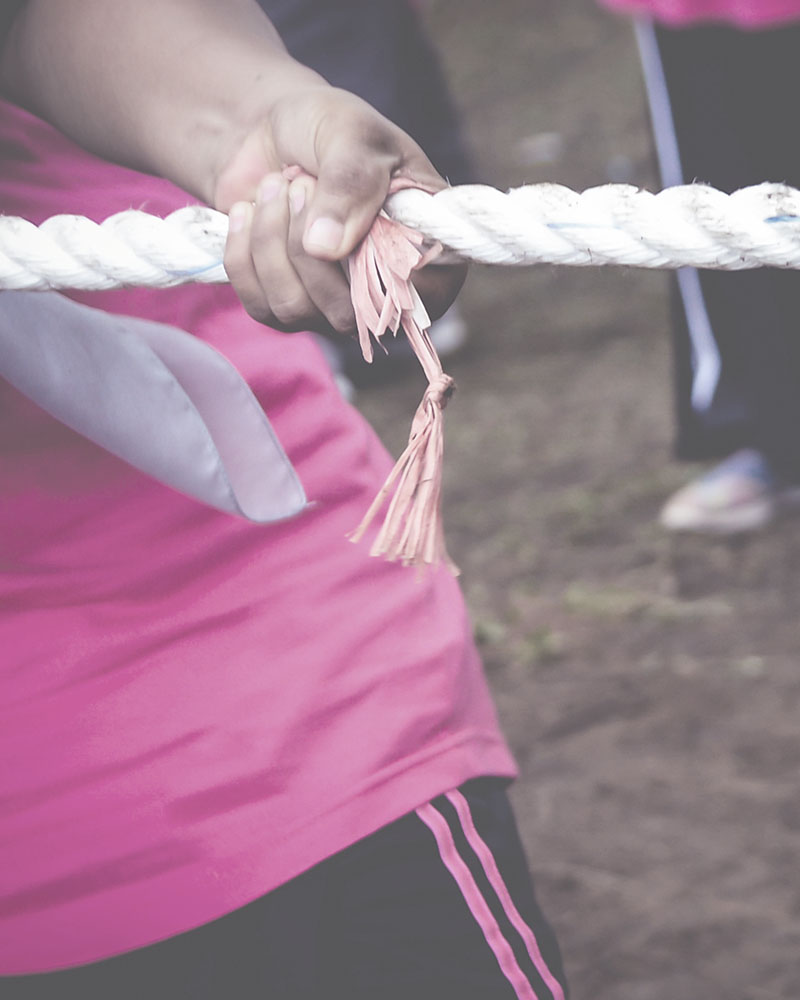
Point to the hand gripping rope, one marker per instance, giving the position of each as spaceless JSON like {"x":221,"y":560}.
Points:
{"x":689,"y":225}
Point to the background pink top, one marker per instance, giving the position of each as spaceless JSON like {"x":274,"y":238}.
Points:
{"x":193,"y":708}
{"x":745,"y":13}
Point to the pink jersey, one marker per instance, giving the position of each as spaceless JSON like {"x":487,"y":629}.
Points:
{"x":744,"y":13}
{"x":194,"y":708}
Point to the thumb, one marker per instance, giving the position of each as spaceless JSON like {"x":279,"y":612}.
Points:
{"x":349,"y":193}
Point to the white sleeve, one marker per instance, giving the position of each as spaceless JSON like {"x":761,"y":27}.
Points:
{"x":155,"y":396}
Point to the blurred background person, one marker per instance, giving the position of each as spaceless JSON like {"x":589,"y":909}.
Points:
{"x":720,"y":77}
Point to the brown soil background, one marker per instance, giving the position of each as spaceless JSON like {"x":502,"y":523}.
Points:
{"x":649,"y":685}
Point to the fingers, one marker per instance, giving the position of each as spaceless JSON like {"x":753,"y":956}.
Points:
{"x":278,"y":283}
{"x":256,"y":260}
{"x":324,"y":281}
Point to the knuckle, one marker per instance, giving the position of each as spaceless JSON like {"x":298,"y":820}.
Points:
{"x":259,"y":312}
{"x":291,"y":311}
{"x":342,"y":318}
{"x":352,"y":177}
{"x":379,"y":136}
{"x":251,"y":297}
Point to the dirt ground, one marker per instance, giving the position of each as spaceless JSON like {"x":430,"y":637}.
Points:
{"x":649,"y":685}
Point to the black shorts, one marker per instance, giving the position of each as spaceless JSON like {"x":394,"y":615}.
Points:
{"x":719,"y":100}
{"x":436,"y":906}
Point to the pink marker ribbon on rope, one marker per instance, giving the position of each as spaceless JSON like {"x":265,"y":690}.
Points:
{"x":384,"y":299}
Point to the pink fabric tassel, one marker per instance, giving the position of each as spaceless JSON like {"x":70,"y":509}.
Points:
{"x":385,"y":299}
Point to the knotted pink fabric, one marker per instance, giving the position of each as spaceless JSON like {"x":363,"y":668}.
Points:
{"x":384,"y":299}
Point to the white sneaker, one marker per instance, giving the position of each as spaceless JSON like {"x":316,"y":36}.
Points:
{"x":738,"y":495}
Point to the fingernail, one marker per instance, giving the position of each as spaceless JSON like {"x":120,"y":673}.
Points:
{"x":324,"y":234}
{"x":239,"y":216}
{"x":297,"y":198}
{"x":268,"y":189}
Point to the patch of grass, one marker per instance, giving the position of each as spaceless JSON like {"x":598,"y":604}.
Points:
{"x":541,"y":647}
{"x":618,"y":603}
{"x":490,"y":632}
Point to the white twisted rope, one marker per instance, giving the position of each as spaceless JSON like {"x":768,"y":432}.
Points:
{"x":691,"y":225}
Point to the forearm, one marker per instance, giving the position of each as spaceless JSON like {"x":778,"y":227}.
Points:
{"x":203,"y":93}
{"x":170,"y":87}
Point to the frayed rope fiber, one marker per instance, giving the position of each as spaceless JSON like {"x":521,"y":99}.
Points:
{"x":384,"y":299}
